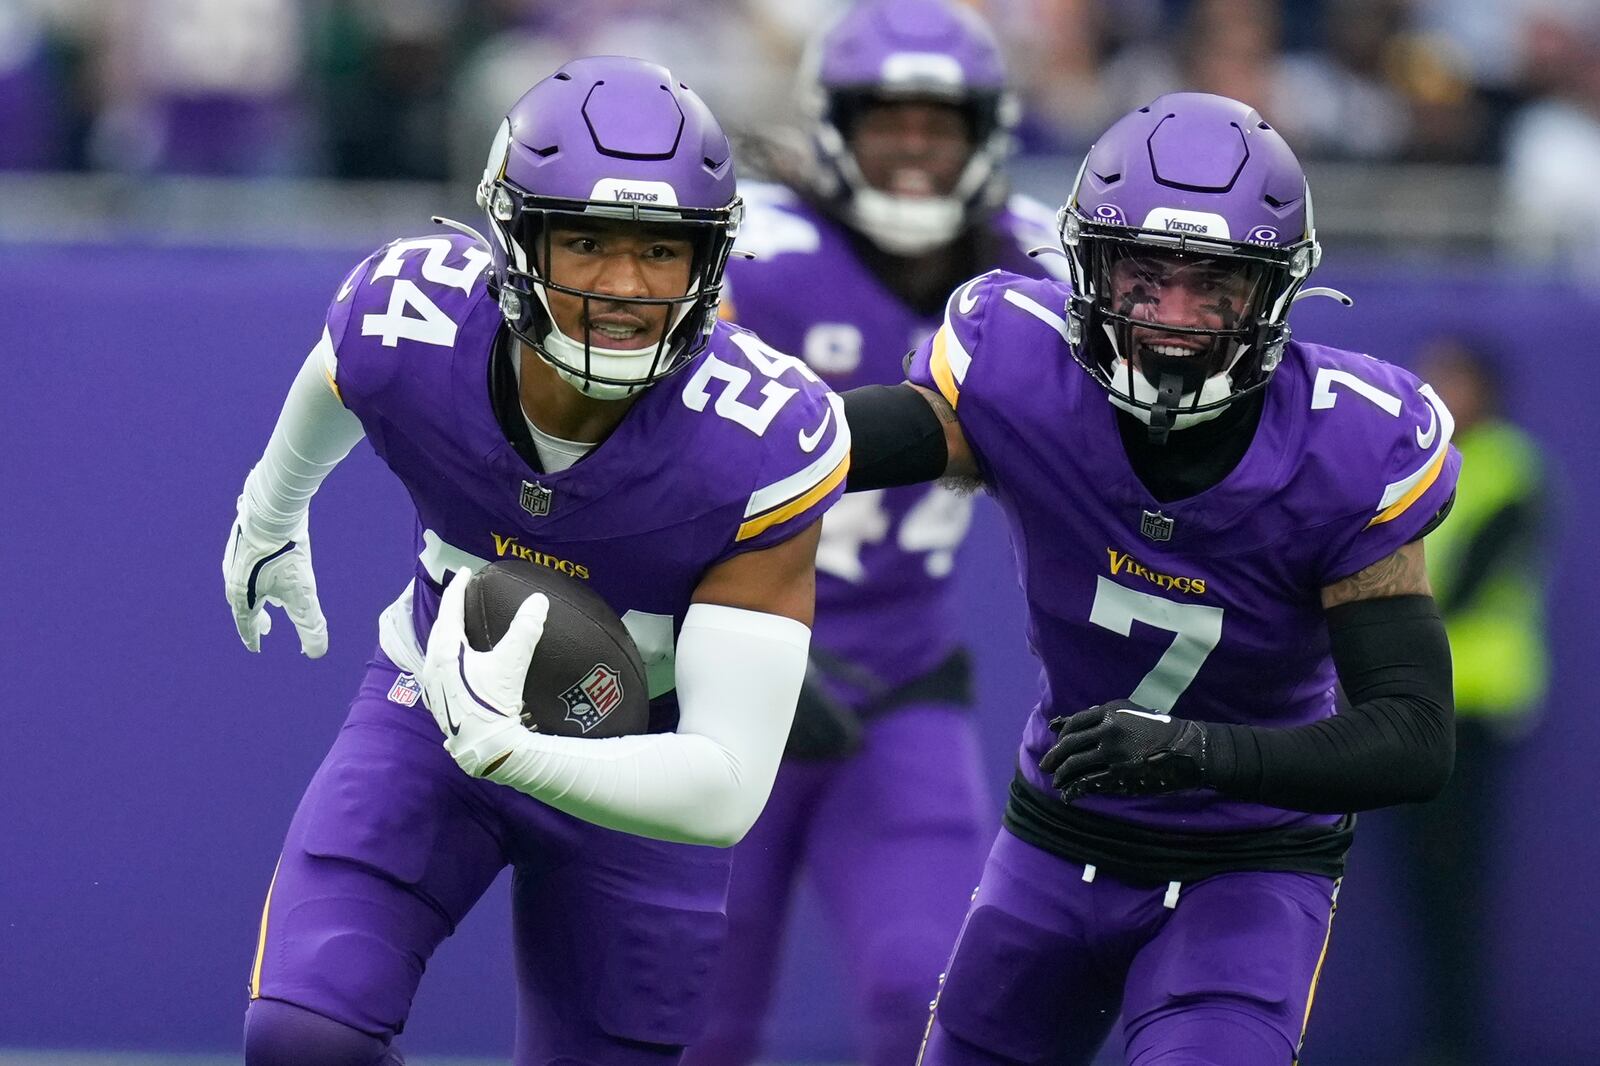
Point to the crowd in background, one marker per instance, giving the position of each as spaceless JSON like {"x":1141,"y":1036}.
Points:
{"x":413,"y":88}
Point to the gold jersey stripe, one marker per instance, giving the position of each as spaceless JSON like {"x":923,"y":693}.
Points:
{"x":798,"y":505}
{"x":939,"y":365}
{"x":1396,"y":509}
{"x":725,"y":309}
{"x":332,"y":384}
{"x":261,"y":942}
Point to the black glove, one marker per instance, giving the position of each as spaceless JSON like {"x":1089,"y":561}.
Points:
{"x":824,"y":727}
{"x":1123,"y":749}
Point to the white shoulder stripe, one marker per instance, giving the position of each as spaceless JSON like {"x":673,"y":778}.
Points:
{"x":1445,"y":425}
{"x":798,"y":484}
{"x":1038,"y":310}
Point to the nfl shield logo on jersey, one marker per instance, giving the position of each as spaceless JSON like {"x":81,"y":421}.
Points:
{"x":535,"y":498}
{"x":1155,"y":526}
{"x":591,"y":699}
{"x":405,"y":691}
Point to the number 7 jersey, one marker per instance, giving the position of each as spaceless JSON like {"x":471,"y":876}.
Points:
{"x":1208,"y":607}
{"x":740,"y":450}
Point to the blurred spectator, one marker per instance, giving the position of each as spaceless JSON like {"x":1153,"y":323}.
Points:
{"x":201,"y":86}
{"x":1483,"y":563}
{"x":1334,"y":103}
{"x":30,"y":120}
{"x":1552,"y":208}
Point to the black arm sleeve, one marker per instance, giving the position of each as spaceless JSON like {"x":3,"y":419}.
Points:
{"x":896,"y":438}
{"x":1395,"y":743}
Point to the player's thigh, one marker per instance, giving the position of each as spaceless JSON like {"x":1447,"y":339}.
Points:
{"x":898,"y":844}
{"x":1230,"y":977}
{"x":388,"y":850}
{"x":618,"y":950}
{"x":765,"y":864}
{"x":1024,"y":985}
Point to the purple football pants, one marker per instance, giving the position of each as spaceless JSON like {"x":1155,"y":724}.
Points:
{"x":617,"y":937}
{"x":1217,"y":972}
{"x":892,"y":840}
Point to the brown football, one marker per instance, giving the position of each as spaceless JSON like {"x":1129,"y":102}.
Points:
{"x":586,"y":678}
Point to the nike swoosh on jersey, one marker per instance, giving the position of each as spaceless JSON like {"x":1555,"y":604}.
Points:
{"x":809,"y":441}
{"x":1425,"y":440}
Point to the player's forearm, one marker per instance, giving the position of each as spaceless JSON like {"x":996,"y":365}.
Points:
{"x":738,"y":675}
{"x":1395,"y":743}
{"x":313,"y":434}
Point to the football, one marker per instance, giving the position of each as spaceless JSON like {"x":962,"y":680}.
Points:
{"x":587,"y":678}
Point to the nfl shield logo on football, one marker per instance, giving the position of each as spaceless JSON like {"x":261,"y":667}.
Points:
{"x":405,"y":691}
{"x":535,"y":498}
{"x":597,"y":695}
{"x":1155,"y":526}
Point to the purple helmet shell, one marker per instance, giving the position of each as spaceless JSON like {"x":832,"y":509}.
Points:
{"x":884,"y":50}
{"x":1194,"y":178}
{"x":611,"y":137}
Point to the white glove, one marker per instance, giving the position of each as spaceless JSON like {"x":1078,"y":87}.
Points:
{"x":476,"y":696}
{"x":258,"y":570}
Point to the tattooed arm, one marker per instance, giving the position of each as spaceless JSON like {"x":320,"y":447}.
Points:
{"x":1400,"y":574}
{"x":1393,"y":741}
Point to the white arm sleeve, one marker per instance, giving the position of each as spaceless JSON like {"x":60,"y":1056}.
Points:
{"x":739,"y":675}
{"x":314,"y":432}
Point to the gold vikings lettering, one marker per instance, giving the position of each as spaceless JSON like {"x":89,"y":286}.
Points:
{"x":1121,"y":561}
{"x":508,"y":546}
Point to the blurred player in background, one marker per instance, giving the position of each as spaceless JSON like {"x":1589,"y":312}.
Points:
{"x":560,"y":392}
{"x":881,"y":801}
{"x":1212,"y":523}
{"x":1485,"y":568}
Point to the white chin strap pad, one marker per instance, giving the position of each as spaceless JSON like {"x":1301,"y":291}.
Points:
{"x":1217,"y":387}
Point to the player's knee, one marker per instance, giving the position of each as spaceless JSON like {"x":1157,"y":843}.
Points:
{"x":281,"y":1034}
{"x":1210,"y":1036}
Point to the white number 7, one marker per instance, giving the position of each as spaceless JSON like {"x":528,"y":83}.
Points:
{"x":1323,"y":396}
{"x":1198,"y":628}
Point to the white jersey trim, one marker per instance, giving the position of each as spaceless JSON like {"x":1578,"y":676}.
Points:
{"x":798,"y":484}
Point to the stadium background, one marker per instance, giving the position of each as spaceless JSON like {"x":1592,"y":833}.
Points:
{"x":185,"y":182}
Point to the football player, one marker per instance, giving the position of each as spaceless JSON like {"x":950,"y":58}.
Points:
{"x":880,"y":804}
{"x":560,"y":391}
{"x":1213,"y":524}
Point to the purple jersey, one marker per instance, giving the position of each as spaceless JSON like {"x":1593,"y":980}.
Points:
{"x":1208,"y":607}
{"x":740,"y":450}
{"x":884,"y":598}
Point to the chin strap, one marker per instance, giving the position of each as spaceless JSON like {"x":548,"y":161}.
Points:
{"x":1168,"y":395}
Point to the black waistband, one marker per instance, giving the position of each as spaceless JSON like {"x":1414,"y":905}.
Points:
{"x":948,"y":682}
{"x":1144,"y":855}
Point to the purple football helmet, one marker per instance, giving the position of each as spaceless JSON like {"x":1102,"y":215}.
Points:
{"x":609,"y":137}
{"x":1197,"y":197}
{"x":933,"y":50}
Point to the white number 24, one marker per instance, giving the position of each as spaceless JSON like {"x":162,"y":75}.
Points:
{"x":429,"y":324}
